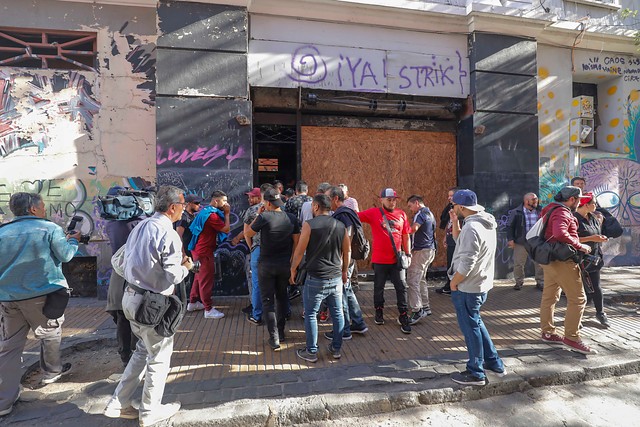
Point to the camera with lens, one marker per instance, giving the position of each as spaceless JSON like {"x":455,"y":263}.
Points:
{"x":590,"y":259}
{"x":71,"y":228}
{"x":196,"y":266}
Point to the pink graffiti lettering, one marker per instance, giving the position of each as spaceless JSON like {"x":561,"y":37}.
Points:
{"x":208,"y":155}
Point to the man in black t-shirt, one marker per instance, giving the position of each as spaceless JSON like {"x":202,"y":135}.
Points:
{"x":279,"y":232}
{"x":328,"y":248}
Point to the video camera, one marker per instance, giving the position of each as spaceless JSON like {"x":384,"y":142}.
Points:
{"x":71,"y":228}
{"x":196,"y":266}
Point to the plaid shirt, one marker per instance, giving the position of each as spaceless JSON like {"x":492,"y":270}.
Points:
{"x":530,"y":218}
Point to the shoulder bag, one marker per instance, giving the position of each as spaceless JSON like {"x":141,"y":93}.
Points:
{"x":541,"y":250}
{"x":301,"y":273}
{"x":402,"y":260}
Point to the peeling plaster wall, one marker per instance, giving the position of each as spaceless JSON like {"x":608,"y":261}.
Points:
{"x":612,"y":169}
{"x":70,"y":135}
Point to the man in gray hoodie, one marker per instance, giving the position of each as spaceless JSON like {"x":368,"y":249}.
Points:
{"x":471,"y":275}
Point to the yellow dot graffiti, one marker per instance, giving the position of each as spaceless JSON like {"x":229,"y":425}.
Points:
{"x":614,"y":122}
{"x":543,"y":73}
{"x":545,"y":129}
{"x":610,"y":138}
{"x":559,"y":115}
{"x":612,"y":90}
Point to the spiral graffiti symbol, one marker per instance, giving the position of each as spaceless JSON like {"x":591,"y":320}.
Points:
{"x":307,"y":65}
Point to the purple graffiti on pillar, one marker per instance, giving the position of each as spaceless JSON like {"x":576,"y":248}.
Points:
{"x":307,"y":66}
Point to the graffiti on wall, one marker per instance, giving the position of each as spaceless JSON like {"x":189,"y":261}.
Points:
{"x":36,"y":109}
{"x":364,"y":70}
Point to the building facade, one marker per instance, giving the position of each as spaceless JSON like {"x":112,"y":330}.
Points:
{"x":417,"y":95}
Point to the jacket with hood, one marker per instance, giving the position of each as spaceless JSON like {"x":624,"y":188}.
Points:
{"x":562,"y":226}
{"x":474,"y":256}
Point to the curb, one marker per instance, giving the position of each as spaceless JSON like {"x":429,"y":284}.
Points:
{"x":309,"y":409}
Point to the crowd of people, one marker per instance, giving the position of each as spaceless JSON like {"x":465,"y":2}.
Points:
{"x":296,"y":241}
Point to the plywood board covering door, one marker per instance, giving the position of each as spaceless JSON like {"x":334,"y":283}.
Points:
{"x":368,"y":160}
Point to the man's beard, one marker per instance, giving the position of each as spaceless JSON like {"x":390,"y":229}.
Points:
{"x":387,"y":209}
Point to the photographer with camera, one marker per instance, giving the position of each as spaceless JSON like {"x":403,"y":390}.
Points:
{"x":565,"y":275}
{"x":590,"y":232}
{"x":32,"y":250}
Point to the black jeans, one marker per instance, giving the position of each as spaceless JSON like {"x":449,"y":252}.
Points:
{"x":382,"y":272}
{"x":273,"y":280}
{"x":126,"y":339}
{"x":596,"y":296}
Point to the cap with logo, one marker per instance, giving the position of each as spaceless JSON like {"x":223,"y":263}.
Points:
{"x":273,"y":196}
{"x":468,"y":199}
{"x":388,"y":193}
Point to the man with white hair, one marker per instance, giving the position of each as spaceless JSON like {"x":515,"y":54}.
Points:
{"x":349,"y":201}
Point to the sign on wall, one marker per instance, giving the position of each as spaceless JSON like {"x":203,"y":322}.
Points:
{"x":290,"y":65}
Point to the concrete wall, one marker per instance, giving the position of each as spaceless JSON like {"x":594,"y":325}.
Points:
{"x":70,"y":135}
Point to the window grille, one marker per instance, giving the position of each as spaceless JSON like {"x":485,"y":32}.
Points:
{"x":67,"y":50}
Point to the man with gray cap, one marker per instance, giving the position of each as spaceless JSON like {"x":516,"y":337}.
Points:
{"x":471,"y":275}
{"x":562,"y":227}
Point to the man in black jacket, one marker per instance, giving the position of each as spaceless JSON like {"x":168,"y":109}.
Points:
{"x":449,"y":243}
{"x":520,"y":221}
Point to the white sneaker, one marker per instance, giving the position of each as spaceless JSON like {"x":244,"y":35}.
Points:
{"x":162,"y":413}
{"x":195,"y":306}
{"x":114,"y":410}
{"x":213,"y":314}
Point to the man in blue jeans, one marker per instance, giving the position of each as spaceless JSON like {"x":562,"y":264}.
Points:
{"x":353,"y":321}
{"x":471,"y":275}
{"x":328,"y":249}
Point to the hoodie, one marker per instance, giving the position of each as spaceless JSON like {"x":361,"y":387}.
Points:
{"x":474,"y":256}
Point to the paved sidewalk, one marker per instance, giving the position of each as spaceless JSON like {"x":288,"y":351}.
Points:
{"x":225,"y":374}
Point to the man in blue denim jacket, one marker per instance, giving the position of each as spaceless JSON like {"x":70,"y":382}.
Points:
{"x":471,"y":274}
{"x":32,"y":250}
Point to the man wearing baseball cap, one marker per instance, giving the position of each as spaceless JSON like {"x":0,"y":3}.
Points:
{"x":383,"y":255}
{"x":471,"y":274}
{"x":562,"y":226}
{"x":279,"y":233}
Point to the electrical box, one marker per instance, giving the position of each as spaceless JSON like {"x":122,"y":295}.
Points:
{"x":581,"y":124}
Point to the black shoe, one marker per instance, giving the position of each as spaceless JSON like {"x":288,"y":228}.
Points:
{"x":329,"y":336}
{"x":282,"y":336}
{"x":466,"y":378}
{"x":443,"y":290}
{"x":359,"y":329}
{"x":294,"y":292}
{"x":602,"y":318}
{"x":540,"y":286}
{"x":427,"y":310}
{"x":403,"y":321}
{"x":379,"y":320}
{"x":253,"y":320}
{"x":518,"y":286}
{"x":248,"y":309}
{"x":274,"y":344}
{"x":334,"y":353}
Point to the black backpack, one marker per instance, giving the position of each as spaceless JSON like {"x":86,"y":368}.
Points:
{"x":360,"y":246}
{"x":127,"y":204}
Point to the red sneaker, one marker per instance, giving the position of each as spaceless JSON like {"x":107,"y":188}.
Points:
{"x":552,"y":338}
{"x":578,"y":346}
{"x":324,"y":315}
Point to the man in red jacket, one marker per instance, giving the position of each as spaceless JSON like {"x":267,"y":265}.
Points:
{"x":565,"y":275}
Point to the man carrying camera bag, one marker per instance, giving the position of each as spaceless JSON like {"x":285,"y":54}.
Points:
{"x":153,"y":265}
{"x":559,"y":276}
{"x":32,"y":250}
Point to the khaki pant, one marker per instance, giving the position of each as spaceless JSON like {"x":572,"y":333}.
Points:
{"x":562,"y":276}
{"x":520,"y":257}
{"x":16,"y":318}
{"x":149,"y":363}
{"x":418,"y":292}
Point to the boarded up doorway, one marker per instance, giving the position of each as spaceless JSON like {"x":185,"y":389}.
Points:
{"x":368,"y":160}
